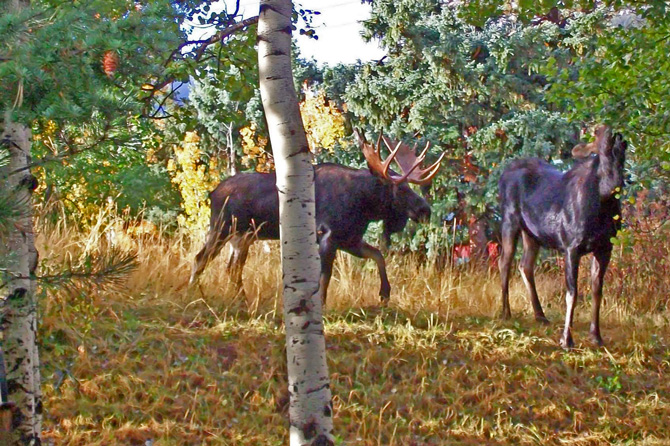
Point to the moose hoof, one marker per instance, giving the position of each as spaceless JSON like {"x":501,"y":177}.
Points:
{"x":596,"y":339}
{"x":506,"y":314}
{"x":567,"y":343}
{"x":542,"y":319}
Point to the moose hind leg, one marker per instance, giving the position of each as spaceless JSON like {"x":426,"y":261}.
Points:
{"x":240,"y":244}
{"x":527,"y":269}
{"x":213,"y":245}
{"x":510,"y":232}
{"x":598,"y":268}
{"x":327,"y":254}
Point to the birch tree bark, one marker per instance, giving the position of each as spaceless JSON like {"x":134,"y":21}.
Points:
{"x":18,"y":301}
{"x":310,"y":408}
{"x":18,"y":323}
{"x":232,"y":168}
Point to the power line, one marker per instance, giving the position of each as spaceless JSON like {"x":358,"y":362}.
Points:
{"x":321,"y":26}
{"x":338,"y":5}
{"x":321,"y":8}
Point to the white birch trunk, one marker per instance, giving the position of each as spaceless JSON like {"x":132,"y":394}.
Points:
{"x":310,"y":409}
{"x":232,"y":168}
{"x":19,"y":302}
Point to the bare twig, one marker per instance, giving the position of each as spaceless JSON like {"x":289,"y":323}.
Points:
{"x":202,"y":44}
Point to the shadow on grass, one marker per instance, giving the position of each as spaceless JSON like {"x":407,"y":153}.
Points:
{"x":187,"y":375}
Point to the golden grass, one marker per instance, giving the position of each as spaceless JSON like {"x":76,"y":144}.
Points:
{"x":172,"y":365}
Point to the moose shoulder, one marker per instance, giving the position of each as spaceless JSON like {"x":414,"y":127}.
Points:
{"x":245,"y":207}
{"x":576,"y":212}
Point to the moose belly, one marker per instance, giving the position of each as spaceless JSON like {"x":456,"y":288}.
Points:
{"x":546,"y":231}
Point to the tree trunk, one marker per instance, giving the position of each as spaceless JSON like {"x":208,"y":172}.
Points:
{"x":19,"y":302}
{"x":310,"y":409}
{"x":232,"y":168}
{"x":478,"y":240}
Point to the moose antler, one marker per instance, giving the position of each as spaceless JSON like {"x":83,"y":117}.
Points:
{"x":373,"y":156}
{"x":405,"y":157}
{"x":409,"y":162}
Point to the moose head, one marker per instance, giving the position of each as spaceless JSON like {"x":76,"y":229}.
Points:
{"x":405,"y":200}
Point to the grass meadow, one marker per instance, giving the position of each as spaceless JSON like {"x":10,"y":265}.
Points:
{"x":154,"y":362}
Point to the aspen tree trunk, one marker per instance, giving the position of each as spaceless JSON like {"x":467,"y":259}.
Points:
{"x":310,"y":408}
{"x":232,"y":168}
{"x":18,"y":298}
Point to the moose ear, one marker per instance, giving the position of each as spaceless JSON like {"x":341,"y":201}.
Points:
{"x":583,"y":150}
{"x":602,"y":143}
{"x":425,"y":189}
{"x":620,"y":143}
{"x":604,"y":139}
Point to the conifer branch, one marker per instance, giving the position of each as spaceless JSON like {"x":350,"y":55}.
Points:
{"x":102,"y":272}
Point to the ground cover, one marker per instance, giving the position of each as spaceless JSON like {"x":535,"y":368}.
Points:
{"x":156,"y":362}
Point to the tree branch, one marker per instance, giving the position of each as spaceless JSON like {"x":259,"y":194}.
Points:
{"x":203,"y":44}
{"x":69,"y":152}
{"x":218,"y":37}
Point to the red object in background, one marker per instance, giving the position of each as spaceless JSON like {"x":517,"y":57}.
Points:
{"x":110,"y":62}
{"x":462,"y":252}
{"x":493,"y":250}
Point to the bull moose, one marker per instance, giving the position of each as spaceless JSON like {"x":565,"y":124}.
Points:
{"x":576,"y":212}
{"x":245,"y":207}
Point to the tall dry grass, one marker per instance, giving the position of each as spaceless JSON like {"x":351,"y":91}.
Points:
{"x":159,"y":361}
{"x":638,"y":279}
{"x":164,"y":264}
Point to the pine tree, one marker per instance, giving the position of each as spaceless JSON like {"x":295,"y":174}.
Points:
{"x":81,"y":66}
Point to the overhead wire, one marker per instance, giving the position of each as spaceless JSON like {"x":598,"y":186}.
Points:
{"x":312,"y":8}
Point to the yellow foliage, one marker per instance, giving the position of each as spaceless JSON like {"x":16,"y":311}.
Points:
{"x":254,"y":148}
{"x":50,"y":128}
{"x":324,"y":126}
{"x":324,"y":123}
{"x":44,"y":129}
{"x":151,"y":156}
{"x":195,"y":180}
{"x":76,"y":196}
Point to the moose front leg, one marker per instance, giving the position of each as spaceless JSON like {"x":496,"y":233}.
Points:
{"x":370,"y":252}
{"x":598,"y":268}
{"x":571,"y":272}
{"x":211,"y":249}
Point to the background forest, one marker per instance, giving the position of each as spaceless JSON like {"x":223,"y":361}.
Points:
{"x":133,"y":121}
